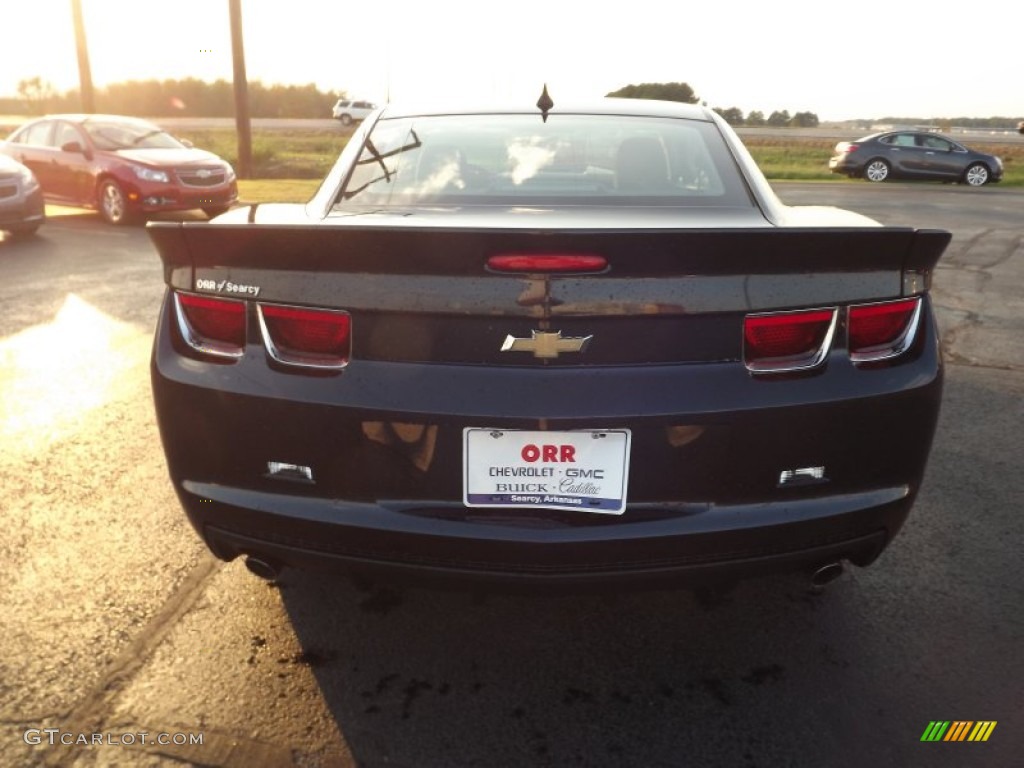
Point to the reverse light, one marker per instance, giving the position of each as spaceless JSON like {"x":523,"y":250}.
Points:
{"x":780,"y":342}
{"x":882,"y":330}
{"x":801,"y":476}
{"x":546,"y":262}
{"x":212,"y":326}
{"x":279,"y":470}
{"x":311,"y":338}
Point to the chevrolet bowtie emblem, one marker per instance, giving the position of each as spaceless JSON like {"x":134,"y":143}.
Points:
{"x":546,"y":344}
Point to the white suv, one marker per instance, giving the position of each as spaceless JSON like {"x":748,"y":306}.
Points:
{"x":349,"y":110}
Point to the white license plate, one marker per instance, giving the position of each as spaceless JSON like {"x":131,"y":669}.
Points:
{"x":585,"y":470}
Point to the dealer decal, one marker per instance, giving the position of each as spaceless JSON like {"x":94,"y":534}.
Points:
{"x":226,"y":286}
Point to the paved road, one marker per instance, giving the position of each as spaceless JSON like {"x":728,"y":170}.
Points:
{"x":115,"y":621}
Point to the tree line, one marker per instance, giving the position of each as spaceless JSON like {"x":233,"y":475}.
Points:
{"x":198,"y":98}
{"x":992,"y":123}
{"x":782,"y":118}
{"x":177,"y":98}
{"x":732,"y":115}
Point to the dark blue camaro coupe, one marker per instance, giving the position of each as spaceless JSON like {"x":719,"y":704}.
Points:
{"x":547,"y":344}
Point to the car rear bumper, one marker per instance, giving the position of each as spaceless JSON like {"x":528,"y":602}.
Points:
{"x":706,"y":499}
{"x":843,"y":165}
{"x":693,"y":544}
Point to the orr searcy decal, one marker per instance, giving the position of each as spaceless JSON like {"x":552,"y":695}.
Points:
{"x":226,"y":286}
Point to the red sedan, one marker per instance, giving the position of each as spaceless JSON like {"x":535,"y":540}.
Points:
{"x":122,"y":166}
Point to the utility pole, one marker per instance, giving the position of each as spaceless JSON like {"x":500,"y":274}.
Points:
{"x":242,"y":123}
{"x":84,"y":71}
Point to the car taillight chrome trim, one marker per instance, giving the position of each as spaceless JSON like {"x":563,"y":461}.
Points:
{"x":279,"y":355}
{"x":808,"y":362}
{"x":200,"y":343}
{"x":893,"y":348}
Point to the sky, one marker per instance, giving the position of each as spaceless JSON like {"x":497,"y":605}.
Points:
{"x":798,"y":55}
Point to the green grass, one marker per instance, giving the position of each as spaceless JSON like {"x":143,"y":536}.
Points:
{"x":276,"y":190}
{"x":792,"y":160}
{"x":278,"y":154}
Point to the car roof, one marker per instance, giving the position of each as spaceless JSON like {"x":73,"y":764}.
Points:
{"x":82,"y":118}
{"x":894,"y":131}
{"x":607,"y":106}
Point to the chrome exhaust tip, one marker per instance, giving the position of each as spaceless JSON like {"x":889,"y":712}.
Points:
{"x":265,"y":569}
{"x":826,"y":573}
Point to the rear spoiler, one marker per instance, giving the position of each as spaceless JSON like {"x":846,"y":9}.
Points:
{"x":463,"y":251}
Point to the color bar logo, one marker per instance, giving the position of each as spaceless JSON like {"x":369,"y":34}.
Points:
{"x":958,"y":730}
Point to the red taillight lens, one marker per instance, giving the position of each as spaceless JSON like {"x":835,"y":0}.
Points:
{"x":850,"y":148}
{"x":547,"y":262}
{"x":787,"y":341}
{"x":880,"y":331}
{"x":210,"y":325}
{"x":314,"y":338}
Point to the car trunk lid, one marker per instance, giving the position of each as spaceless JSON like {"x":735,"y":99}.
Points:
{"x":432,"y":293}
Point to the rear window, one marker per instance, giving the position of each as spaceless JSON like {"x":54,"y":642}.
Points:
{"x":520,"y":159}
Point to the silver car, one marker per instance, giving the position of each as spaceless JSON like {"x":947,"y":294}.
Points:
{"x":21,"y":198}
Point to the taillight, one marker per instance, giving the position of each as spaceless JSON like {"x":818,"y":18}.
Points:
{"x":312,"y":338}
{"x":846,"y":147}
{"x":787,"y":341}
{"x":883,"y":330}
{"x":211,"y":325}
{"x":547,"y":262}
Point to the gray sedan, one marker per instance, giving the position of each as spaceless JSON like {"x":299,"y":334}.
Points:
{"x":21,"y":199}
{"x":914,"y":155}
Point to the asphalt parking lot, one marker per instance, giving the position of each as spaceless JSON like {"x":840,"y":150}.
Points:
{"x":116,"y":622}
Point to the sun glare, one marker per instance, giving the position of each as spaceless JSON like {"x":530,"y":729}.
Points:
{"x":412,"y":52}
{"x":53,"y":375}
